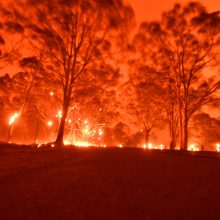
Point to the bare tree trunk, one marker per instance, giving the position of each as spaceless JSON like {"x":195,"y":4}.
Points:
{"x":147,"y":135}
{"x":172,"y":125}
{"x":185,"y":140}
{"x":60,"y":135}
{"x":185,"y":130}
{"x":173,"y":138}
{"x":9,"y":134}
{"x":36,"y":130}
{"x":172,"y":144}
{"x":180,"y":119}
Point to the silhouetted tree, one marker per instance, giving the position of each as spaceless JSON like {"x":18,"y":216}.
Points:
{"x":206,"y":129}
{"x":144,"y":100}
{"x":184,"y":42}
{"x":11,"y":37}
{"x":71,"y":35}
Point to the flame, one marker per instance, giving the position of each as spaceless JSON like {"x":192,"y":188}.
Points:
{"x":218,"y":147}
{"x":82,"y":144}
{"x":59,"y":114}
{"x":77,"y":143}
{"x":13,"y":118}
{"x":193,"y":147}
{"x":50,"y":123}
{"x":150,"y":146}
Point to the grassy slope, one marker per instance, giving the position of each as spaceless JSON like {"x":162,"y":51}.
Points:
{"x":108,"y":184}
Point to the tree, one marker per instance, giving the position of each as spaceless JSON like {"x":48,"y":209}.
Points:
{"x":11,"y":37}
{"x":186,"y":42}
{"x":144,"y":100}
{"x":71,"y":36}
{"x":206,"y":129}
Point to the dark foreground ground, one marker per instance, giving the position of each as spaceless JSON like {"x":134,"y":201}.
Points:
{"x":108,"y":184}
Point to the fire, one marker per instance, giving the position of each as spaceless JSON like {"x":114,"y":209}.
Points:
{"x":13,"y":118}
{"x":218,"y":147}
{"x":50,"y":123}
{"x":59,"y":114}
{"x":150,"y":146}
{"x":193,"y":147}
{"x":77,"y":143}
{"x":100,"y":132}
{"x":82,"y":144}
{"x":162,"y":147}
{"x":66,"y":142}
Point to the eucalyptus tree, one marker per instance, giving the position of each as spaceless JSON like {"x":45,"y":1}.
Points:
{"x":185,"y":43}
{"x":72,"y":35}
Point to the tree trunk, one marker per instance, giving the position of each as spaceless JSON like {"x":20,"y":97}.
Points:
{"x":147,"y":134}
{"x":185,"y":140}
{"x":180,"y":122}
{"x":185,"y":131}
{"x":60,"y":135}
{"x":36,"y":130}
{"x":9,"y":134}
{"x":173,"y":135}
{"x":172,"y":144}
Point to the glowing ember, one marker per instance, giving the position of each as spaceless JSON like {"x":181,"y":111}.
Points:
{"x":82,"y":144}
{"x":50,"y":123}
{"x":59,"y":114}
{"x":51,"y":93}
{"x":218,"y":147}
{"x":150,"y":146}
{"x":144,"y":146}
{"x":120,"y":145}
{"x":13,"y":118}
{"x":100,"y":132}
{"x":161,"y":147}
{"x":86,"y":130}
{"x":193,"y":147}
{"x":66,"y":142}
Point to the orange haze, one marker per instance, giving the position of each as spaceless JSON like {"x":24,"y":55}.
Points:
{"x":151,"y":10}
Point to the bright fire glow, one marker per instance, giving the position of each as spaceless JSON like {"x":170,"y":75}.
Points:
{"x":13,"y":118}
{"x":51,"y":93}
{"x":82,"y":144}
{"x":50,"y":123}
{"x":77,"y":143}
{"x":100,"y":132}
{"x":66,"y":142}
{"x":150,"y":146}
{"x":59,"y":114}
{"x":144,"y":146}
{"x":162,"y":147}
{"x":120,"y":145}
{"x":193,"y":147}
{"x":218,"y":147}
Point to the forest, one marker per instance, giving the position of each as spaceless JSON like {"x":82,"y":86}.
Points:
{"x":83,"y":72}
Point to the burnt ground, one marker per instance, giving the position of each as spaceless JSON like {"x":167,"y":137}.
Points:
{"x":108,"y":184}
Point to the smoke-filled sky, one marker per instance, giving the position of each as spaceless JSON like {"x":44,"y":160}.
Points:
{"x":152,"y":9}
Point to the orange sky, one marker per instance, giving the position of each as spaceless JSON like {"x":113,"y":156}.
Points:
{"x":152,"y":9}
